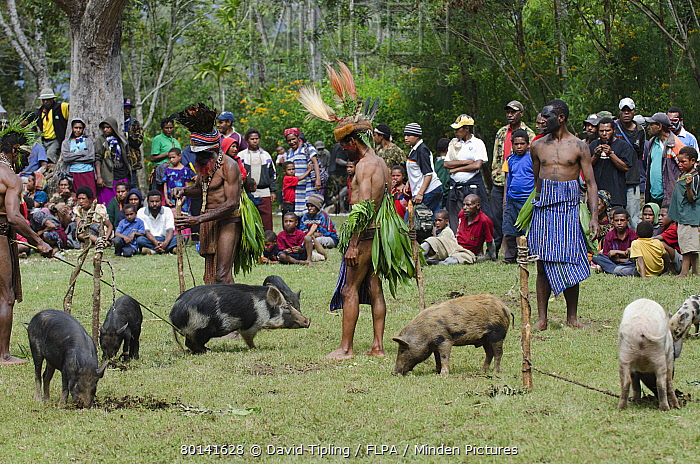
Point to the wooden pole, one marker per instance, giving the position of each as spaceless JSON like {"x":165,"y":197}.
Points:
{"x":180,"y":245}
{"x":416,"y":256}
{"x":525,"y":310}
{"x":97,"y":289}
{"x":85,"y":231}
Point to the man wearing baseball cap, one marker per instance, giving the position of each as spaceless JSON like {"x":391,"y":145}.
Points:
{"x":590,"y":128}
{"x":662,"y":166}
{"x":225,"y":123}
{"x":52,"y":119}
{"x":502,"y":148}
{"x":632,"y":134}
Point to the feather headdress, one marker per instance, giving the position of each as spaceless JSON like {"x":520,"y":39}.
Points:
{"x":200,"y":120}
{"x":359,"y":113}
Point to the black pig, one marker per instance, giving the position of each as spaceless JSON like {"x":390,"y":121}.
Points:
{"x":122,"y":325}
{"x":291,"y":297}
{"x":208,"y":311}
{"x":57,"y":337}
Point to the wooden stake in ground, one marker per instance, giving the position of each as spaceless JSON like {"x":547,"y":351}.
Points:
{"x":85,"y":231}
{"x":525,"y":310}
{"x":180,"y":245}
{"x":416,"y":256}
{"x":97,"y":289}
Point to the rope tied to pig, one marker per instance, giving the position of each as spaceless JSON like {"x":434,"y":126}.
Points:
{"x":605,"y":392}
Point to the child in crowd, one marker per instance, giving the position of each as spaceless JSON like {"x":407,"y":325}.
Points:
{"x":290,"y":241}
{"x":520,"y":182}
{"x":669,"y":238}
{"x":442,"y":172}
{"x":650,"y":212}
{"x":614,"y":257}
{"x":475,"y":228}
{"x":250,"y":186}
{"x":442,"y":247}
{"x":177,"y":175}
{"x":400,"y":189}
{"x":685,"y":211}
{"x":270,"y":252}
{"x":127,"y":231}
{"x":117,"y":203}
{"x":289,"y":185}
{"x":319,"y":229}
{"x":47,"y":226}
{"x":604,"y":224}
{"x":135,"y":198}
{"x":649,"y":252}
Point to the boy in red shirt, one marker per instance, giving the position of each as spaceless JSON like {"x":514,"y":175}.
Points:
{"x":475,"y":228}
{"x":290,"y":241}
{"x":289,"y":185}
{"x":669,"y":237}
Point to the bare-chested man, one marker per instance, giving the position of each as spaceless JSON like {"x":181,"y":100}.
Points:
{"x":218,"y":183}
{"x":556,"y":235}
{"x":371,"y":178}
{"x":12,"y":222}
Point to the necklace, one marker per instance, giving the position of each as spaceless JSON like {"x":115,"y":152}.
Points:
{"x":4,"y":160}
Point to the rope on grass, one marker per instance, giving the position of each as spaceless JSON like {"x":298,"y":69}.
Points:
{"x":605,"y":392}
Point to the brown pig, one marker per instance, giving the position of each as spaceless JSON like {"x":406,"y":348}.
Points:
{"x":479,"y":320}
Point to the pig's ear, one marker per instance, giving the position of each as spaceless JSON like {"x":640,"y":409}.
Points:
{"x":299,"y":294}
{"x":670,"y":315}
{"x":123,"y":328}
{"x":400,"y":341}
{"x":274,"y":297}
{"x":101,"y":370}
{"x":102,"y":330}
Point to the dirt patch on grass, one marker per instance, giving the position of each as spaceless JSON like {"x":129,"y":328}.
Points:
{"x":267,"y":369}
{"x":109,"y":403}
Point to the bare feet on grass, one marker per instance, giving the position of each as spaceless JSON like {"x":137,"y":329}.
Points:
{"x":540,"y":325}
{"x":340,"y":354}
{"x":575,"y":324}
{"x":378,"y":352}
{"x":8,"y":359}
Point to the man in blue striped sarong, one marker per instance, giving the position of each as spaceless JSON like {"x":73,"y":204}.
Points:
{"x":556,"y":236}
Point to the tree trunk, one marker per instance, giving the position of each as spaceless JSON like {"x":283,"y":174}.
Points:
{"x":563,"y":70}
{"x":96,"y":77}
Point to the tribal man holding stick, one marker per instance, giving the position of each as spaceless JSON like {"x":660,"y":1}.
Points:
{"x":13,"y":139}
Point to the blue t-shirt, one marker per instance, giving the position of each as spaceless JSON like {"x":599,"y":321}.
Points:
{"x":656,"y":181}
{"x":126,"y":228}
{"x":521,"y":180}
{"x":37,"y":155}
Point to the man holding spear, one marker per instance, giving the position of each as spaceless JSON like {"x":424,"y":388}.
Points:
{"x":13,"y":140}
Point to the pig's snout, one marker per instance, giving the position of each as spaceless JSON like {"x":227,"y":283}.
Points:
{"x":305,"y":323}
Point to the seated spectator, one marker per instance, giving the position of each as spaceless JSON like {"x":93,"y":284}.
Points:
{"x":117,"y":203}
{"x":64,"y":194}
{"x":290,"y":241}
{"x":650,"y":212}
{"x":37,"y":160}
{"x":669,"y":238}
{"x":271,"y":251}
{"x":177,"y":175}
{"x":400,"y":189}
{"x":47,"y":226}
{"x":289,"y":186}
{"x":85,"y":197}
{"x":128,"y":230}
{"x":649,"y":252}
{"x":604,"y":224}
{"x":614,"y":257}
{"x":135,"y":198}
{"x":318,"y":227}
{"x":475,"y":228}
{"x":159,"y":225}
{"x":78,"y":155}
{"x":520,"y":181}
{"x":442,"y":247}
{"x":33,"y":184}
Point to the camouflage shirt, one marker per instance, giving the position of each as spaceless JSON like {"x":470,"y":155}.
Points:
{"x":392,"y":156}
{"x":497,"y":160}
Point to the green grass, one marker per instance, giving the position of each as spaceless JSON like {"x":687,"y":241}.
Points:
{"x":297,"y":397}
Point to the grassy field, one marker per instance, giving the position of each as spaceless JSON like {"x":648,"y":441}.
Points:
{"x":285,"y":394}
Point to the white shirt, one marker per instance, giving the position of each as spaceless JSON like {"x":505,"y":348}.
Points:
{"x":414,"y":172}
{"x":460,"y":150}
{"x":257,"y":160}
{"x":687,"y":138}
{"x":160,"y":225}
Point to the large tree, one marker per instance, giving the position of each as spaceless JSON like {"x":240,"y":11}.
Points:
{"x":96,"y":76}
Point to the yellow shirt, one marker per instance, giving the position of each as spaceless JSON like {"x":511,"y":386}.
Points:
{"x":47,"y":121}
{"x":652,"y":251}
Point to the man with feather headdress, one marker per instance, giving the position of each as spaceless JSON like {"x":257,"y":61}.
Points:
{"x":358,"y":281}
{"x":13,"y":140}
{"x":218,"y":183}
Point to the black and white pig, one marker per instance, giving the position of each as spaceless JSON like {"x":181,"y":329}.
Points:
{"x":646,"y":353}
{"x":122,"y":325}
{"x":65,"y":345}
{"x":291,"y":297}
{"x":208,"y":311}
{"x":479,"y":320}
{"x":688,"y":315}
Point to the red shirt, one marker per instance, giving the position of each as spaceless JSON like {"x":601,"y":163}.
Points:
{"x":472,"y":236}
{"x":611,"y":242}
{"x":670,"y":236}
{"x":289,"y":184}
{"x":285,"y":240}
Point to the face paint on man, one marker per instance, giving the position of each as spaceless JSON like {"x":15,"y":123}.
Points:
{"x":552,"y":120}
